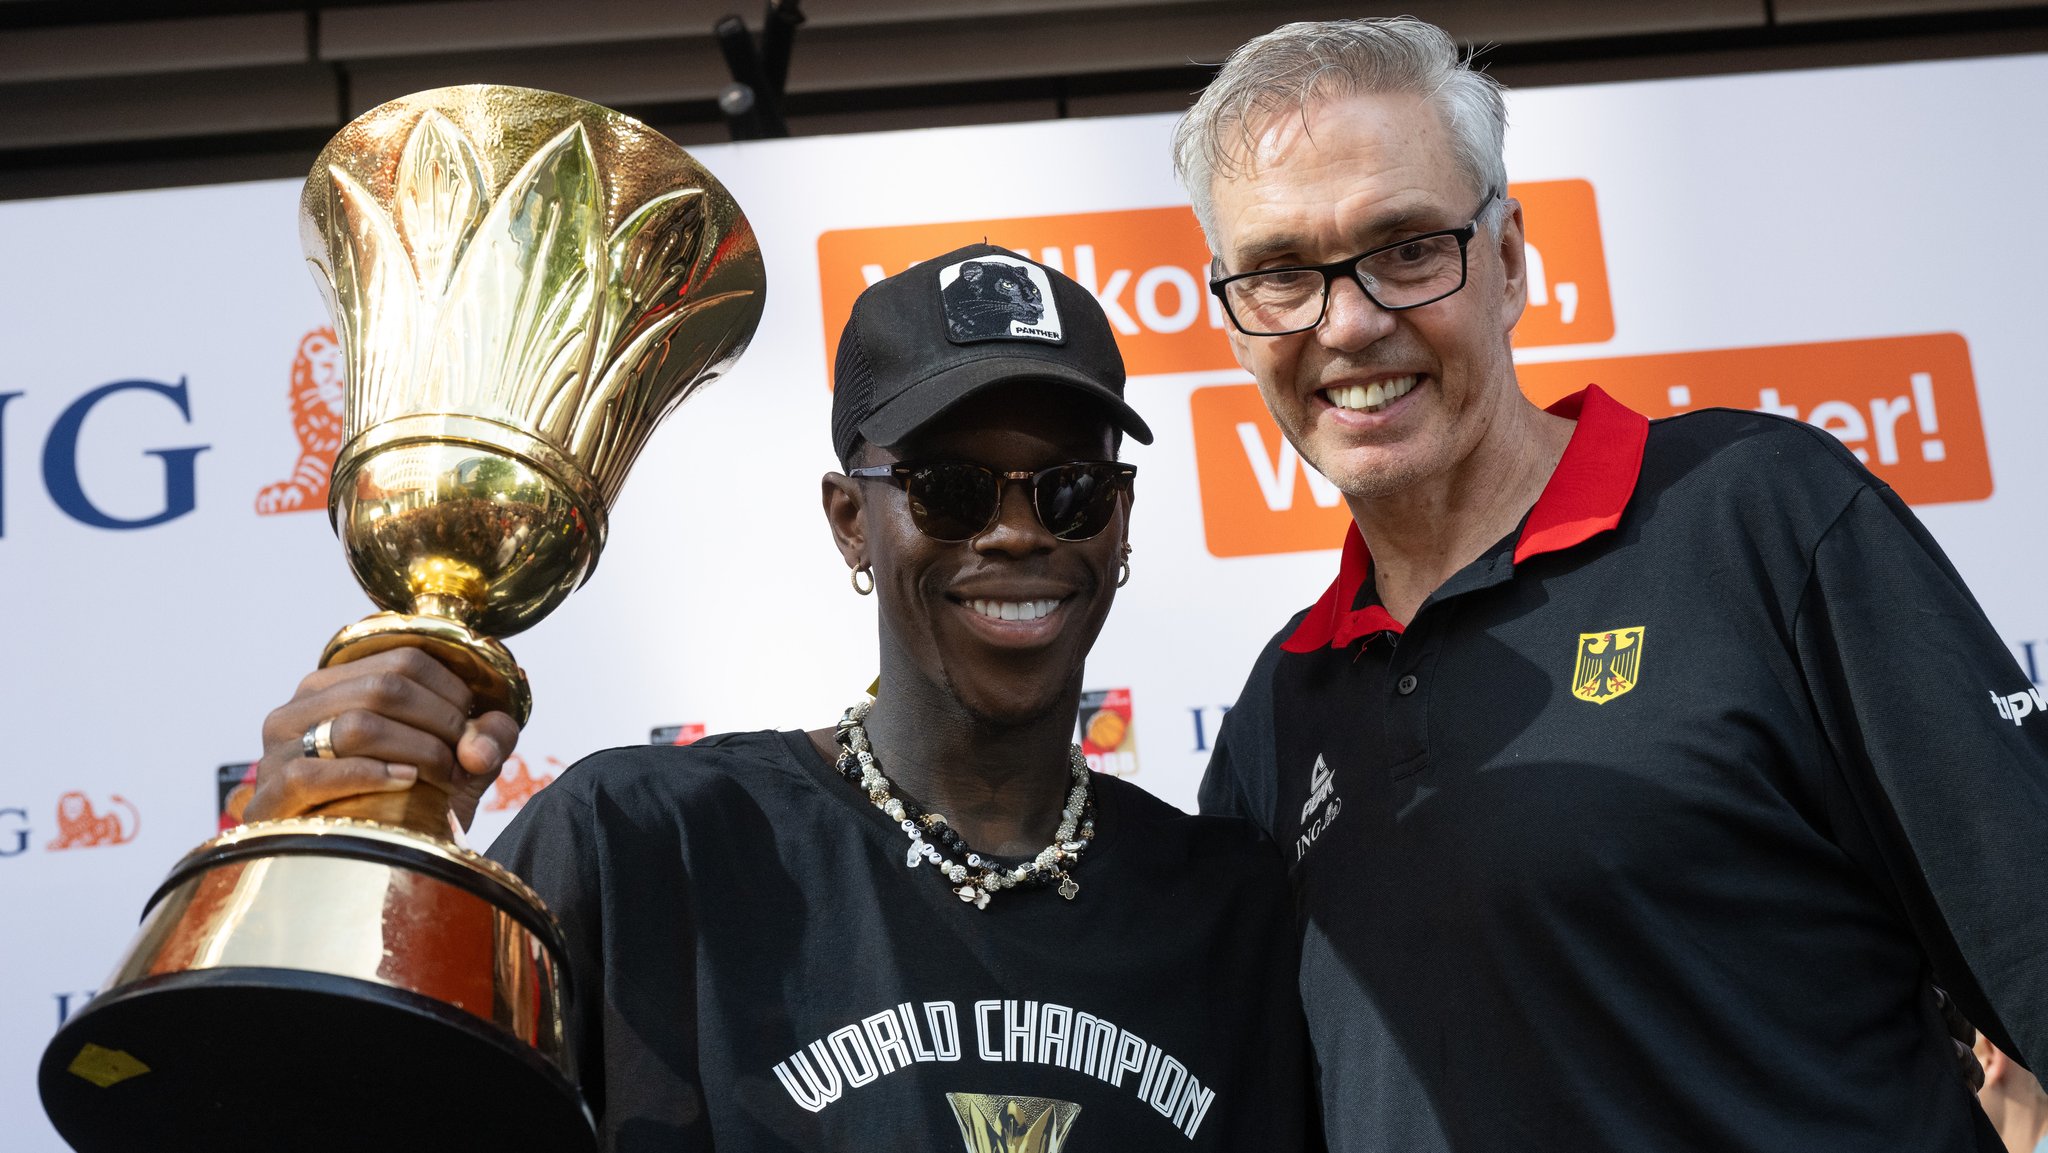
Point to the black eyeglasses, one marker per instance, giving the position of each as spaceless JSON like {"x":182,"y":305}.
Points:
{"x":954,"y":501}
{"x":1406,"y":274}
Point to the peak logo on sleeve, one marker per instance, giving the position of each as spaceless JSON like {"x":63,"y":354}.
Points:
{"x":2018,"y":706}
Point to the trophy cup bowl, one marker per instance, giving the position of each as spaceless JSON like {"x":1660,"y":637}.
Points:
{"x":524,"y":285}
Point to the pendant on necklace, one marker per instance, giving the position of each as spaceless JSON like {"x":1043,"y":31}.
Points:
{"x":1068,"y":886}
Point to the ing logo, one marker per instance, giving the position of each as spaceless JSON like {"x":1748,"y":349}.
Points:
{"x":316,"y":397}
{"x":518,"y":783}
{"x":1608,"y":664}
{"x":80,"y":826}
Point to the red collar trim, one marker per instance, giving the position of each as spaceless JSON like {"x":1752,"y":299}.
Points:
{"x":1584,"y":497}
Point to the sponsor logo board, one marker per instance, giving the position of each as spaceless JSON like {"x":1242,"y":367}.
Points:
{"x":688,"y":734}
{"x":233,"y":785}
{"x":1108,"y":739}
{"x":83,"y":825}
{"x":15,"y":833}
{"x":518,"y":783}
{"x":316,"y":398}
{"x":65,"y":458}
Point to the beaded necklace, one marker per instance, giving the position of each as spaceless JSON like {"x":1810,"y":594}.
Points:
{"x":974,"y":878}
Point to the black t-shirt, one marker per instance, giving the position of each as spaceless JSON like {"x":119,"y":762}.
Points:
{"x":1653,"y":827}
{"x":757,"y":969}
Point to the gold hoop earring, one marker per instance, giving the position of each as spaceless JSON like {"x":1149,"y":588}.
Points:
{"x":857,"y":574}
{"x":1123,"y":576}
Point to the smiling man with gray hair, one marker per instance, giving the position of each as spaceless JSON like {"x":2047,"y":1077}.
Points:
{"x":1638,"y":780}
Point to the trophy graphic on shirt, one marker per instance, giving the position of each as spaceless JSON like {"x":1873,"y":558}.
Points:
{"x":523,"y":285}
{"x":999,"y":1123}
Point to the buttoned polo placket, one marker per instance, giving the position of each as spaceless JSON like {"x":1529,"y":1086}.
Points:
{"x":1408,"y":684}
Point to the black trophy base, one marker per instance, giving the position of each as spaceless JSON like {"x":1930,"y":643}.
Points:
{"x":269,"y":1060}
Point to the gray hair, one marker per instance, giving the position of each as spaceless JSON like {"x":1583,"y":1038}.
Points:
{"x":1296,"y":65}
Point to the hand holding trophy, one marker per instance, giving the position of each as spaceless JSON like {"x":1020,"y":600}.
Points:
{"x":524,"y":284}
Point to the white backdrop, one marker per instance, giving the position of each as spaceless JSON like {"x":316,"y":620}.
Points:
{"x":1732,"y":213}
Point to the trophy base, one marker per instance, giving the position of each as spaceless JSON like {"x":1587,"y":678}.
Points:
{"x":317,"y":984}
{"x":267,"y":1059}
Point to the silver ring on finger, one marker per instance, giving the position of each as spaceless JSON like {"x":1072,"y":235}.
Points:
{"x":318,"y":741}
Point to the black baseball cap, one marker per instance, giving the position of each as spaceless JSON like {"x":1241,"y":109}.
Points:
{"x":922,"y":341}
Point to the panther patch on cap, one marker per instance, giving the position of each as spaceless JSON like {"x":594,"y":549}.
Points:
{"x":999,"y":298}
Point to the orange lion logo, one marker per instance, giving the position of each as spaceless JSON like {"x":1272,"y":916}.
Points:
{"x":517,"y":784}
{"x":316,"y":418}
{"x":79,"y":827}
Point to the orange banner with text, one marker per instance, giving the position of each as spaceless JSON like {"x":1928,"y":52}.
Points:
{"x":1567,"y":266}
{"x":1149,"y":269}
{"x":1907,"y":406}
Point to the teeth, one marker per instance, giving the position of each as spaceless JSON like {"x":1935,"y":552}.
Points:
{"x":1370,"y":397}
{"x":1014,"y":610}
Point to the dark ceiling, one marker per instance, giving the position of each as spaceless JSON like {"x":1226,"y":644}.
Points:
{"x":98,"y":95}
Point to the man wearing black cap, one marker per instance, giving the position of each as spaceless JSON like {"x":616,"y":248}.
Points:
{"x":909,"y":354}
{"x":929,"y":924}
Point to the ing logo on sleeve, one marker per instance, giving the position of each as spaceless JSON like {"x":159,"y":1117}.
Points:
{"x":1608,"y":664}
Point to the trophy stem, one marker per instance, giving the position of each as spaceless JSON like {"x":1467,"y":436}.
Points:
{"x":483,"y":663}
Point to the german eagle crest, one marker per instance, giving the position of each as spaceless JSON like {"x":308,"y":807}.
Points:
{"x":1608,"y":664}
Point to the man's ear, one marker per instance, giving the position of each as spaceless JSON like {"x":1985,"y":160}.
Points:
{"x":1514,"y":262}
{"x":844,"y":513}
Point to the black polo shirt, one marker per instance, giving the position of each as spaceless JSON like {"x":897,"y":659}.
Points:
{"x":1652,"y":828}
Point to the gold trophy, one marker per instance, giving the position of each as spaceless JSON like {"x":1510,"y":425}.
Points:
{"x":1000,"y":1123}
{"x":524,"y":284}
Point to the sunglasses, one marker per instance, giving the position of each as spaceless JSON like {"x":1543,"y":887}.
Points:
{"x":953,"y":501}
